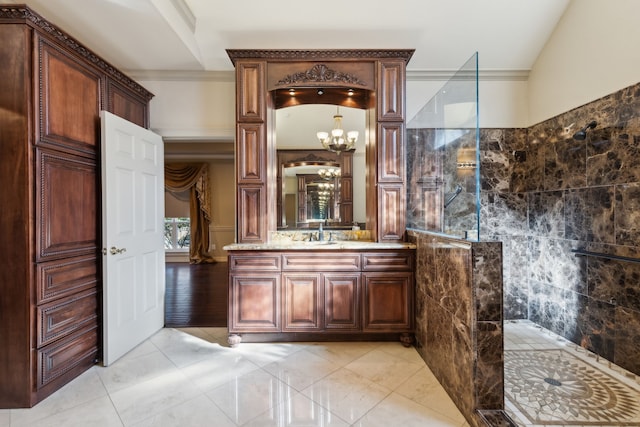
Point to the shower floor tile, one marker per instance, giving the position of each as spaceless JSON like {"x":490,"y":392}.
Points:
{"x":552,"y":382}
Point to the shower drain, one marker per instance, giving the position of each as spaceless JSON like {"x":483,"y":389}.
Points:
{"x":553,"y":381}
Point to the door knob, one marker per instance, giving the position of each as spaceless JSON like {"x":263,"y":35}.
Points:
{"x":116,"y":251}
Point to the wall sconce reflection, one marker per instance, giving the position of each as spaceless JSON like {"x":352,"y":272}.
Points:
{"x":466,"y":158}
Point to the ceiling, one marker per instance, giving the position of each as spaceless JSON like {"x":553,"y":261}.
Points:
{"x":193,"y":35}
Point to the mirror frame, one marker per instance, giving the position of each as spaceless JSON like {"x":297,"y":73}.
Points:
{"x":259,"y":73}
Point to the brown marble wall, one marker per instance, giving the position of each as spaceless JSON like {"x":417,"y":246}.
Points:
{"x":545,"y":194}
{"x":459,"y":319}
{"x":433,"y":176}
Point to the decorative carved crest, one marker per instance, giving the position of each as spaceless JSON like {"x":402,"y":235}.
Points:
{"x":320,"y":73}
{"x":311,"y":157}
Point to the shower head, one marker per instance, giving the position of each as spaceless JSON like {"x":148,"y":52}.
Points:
{"x":581,"y":135}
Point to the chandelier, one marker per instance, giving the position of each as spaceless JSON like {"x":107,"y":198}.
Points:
{"x":336,"y":141}
{"x":329,"y":173}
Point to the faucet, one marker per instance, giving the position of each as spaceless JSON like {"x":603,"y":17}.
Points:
{"x":320,"y":233}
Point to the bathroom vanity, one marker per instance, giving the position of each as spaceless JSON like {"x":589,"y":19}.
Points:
{"x":321,"y":291}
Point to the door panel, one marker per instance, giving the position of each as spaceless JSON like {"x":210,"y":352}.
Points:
{"x":66,"y":191}
{"x":302,"y":302}
{"x":69,"y":100}
{"x":342,"y":303}
{"x":254,"y":302}
{"x":387,"y":301}
{"x":133,"y":231}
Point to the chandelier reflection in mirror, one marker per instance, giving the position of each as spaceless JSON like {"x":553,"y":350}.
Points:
{"x":329,"y":173}
{"x":336,"y":140}
{"x":326,"y":186}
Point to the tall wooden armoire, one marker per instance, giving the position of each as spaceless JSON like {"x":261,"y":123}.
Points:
{"x":51,"y":92}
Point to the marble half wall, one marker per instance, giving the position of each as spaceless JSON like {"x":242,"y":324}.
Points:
{"x":459,"y":324}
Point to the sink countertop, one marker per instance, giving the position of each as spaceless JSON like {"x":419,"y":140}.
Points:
{"x":324,"y":245}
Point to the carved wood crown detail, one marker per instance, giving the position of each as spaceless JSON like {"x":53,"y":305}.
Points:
{"x":320,"y":55}
{"x":25,"y":14}
{"x":313,"y":158}
{"x":321,"y":73}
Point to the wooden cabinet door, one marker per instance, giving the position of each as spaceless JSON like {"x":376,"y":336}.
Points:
{"x":250,"y":84}
{"x":387,"y":301}
{"x":302,"y":308}
{"x":123,"y":103}
{"x":342,"y":302}
{"x":69,"y":100}
{"x":254,"y":303}
{"x":391,"y":90}
{"x":67,"y":204}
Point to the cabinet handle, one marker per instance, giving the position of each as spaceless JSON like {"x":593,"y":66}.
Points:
{"x":116,"y":251}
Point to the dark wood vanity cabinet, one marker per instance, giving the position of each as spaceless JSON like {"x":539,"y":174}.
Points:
{"x":308,"y":294}
{"x":51,"y":92}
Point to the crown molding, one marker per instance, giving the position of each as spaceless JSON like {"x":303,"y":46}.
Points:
{"x":196,"y":135}
{"x":24,"y":14}
{"x":483,"y":75}
{"x":187,"y":156}
{"x":294,"y":55}
{"x":412,"y":75}
{"x":183,"y":75}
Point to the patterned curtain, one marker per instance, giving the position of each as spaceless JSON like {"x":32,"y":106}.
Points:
{"x":179,"y":177}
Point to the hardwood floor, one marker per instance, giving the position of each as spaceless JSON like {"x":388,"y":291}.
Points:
{"x":196,"y":294}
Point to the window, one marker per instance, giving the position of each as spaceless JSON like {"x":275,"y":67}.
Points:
{"x":177,"y":234}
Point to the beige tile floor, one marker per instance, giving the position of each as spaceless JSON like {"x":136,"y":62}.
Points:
{"x":189,"y":377}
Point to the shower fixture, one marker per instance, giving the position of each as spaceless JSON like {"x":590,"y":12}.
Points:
{"x":453,"y":195}
{"x":581,"y":135}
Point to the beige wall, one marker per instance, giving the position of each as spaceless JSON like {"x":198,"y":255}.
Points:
{"x":198,"y":107}
{"x":203,"y":109}
{"x":593,"y":52}
{"x":223,"y":207}
{"x":502,"y":96}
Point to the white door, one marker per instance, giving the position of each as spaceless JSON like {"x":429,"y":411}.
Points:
{"x":132,"y":235}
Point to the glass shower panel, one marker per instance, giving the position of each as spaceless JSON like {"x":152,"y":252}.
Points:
{"x":443,"y":168}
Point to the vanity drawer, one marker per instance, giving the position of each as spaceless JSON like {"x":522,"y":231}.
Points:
{"x":388,"y":261}
{"x":60,"y":278}
{"x":323,"y":261}
{"x":61,"y":358}
{"x":66,"y":315}
{"x":254,"y":262}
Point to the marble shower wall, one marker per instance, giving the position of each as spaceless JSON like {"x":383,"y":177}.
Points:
{"x":459,"y":319}
{"x":544,"y":195}
{"x":433,"y":176}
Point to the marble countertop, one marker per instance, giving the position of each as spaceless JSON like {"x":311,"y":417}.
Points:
{"x":324,"y":245}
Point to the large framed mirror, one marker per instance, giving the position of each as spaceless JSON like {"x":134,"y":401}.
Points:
{"x":300,"y":153}
{"x":268,"y":81}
